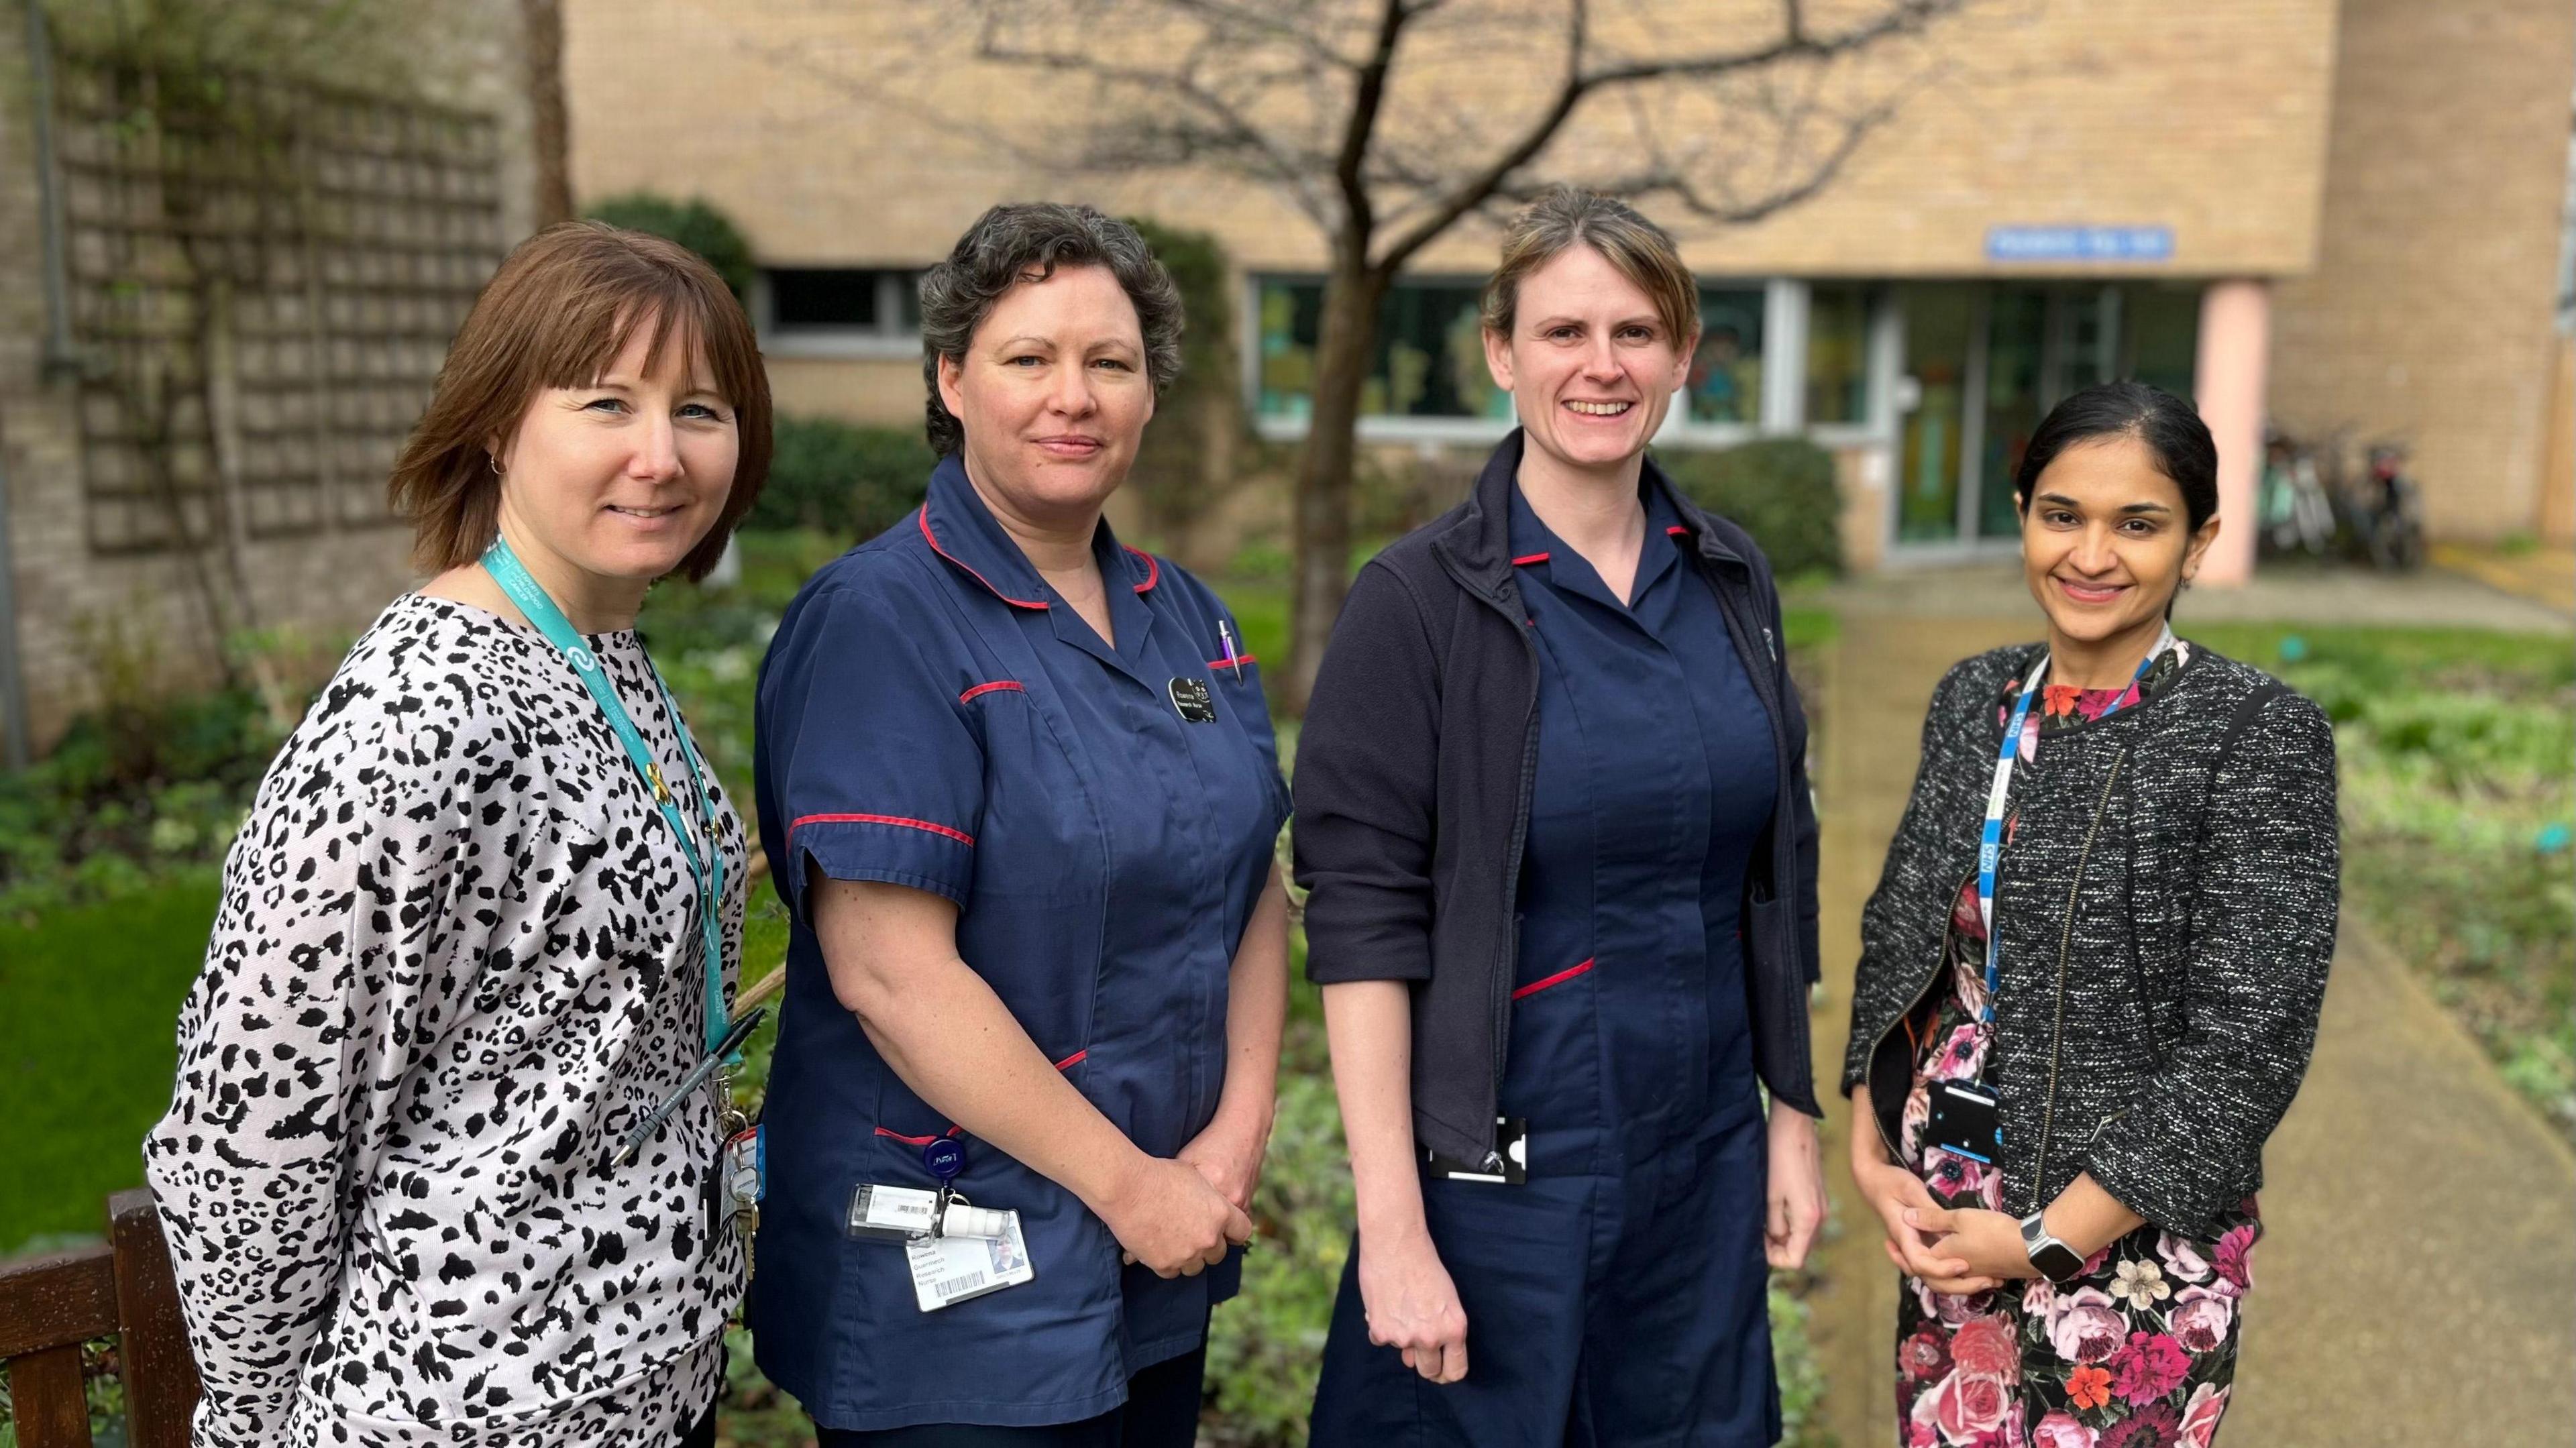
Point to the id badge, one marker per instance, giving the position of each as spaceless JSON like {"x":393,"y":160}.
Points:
{"x":1966,"y":1120}
{"x":1511,"y":1143}
{"x":950,"y":1270}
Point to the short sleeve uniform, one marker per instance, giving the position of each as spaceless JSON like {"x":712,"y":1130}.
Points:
{"x":933,"y":715}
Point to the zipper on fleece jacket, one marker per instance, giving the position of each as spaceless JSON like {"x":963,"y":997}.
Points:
{"x":1784,"y":846}
{"x":1931,"y":980}
{"x":1507,"y":959}
{"x":2065,"y":946}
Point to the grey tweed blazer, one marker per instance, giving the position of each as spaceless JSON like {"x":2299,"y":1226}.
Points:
{"x":2166,"y":913}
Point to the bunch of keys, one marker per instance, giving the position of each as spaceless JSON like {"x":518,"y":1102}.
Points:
{"x":737,"y":1170}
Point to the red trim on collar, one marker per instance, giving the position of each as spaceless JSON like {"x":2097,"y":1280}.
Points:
{"x":1676,"y":531}
{"x":1073,"y":1060}
{"x":989,"y":688}
{"x":1526,"y":559}
{"x":1153,"y":570}
{"x":924,"y":515}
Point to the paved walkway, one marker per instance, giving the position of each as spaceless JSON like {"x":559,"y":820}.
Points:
{"x":2280,"y":592}
{"x":2544,"y":574}
{"x":2418,"y":1284}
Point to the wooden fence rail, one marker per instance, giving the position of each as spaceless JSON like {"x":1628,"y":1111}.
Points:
{"x":52,"y":1304}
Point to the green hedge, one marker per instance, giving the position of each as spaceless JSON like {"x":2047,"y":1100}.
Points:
{"x":1780,"y":490}
{"x":692,"y":223}
{"x":843,"y":480}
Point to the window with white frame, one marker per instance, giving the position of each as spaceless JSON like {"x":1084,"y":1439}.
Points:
{"x":1839,"y":319}
{"x":1429,"y":362}
{"x":841,"y":309}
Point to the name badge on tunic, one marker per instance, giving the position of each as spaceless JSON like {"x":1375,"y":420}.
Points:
{"x":1191,"y":699}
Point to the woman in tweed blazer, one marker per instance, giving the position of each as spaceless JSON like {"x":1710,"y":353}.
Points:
{"x":2163,"y":907}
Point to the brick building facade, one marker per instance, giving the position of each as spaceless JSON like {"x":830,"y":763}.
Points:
{"x":2315,"y":213}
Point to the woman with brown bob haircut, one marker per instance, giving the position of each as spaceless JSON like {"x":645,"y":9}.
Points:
{"x":440,"y":1165}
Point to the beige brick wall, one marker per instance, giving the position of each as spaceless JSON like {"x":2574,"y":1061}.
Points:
{"x":832,"y":139}
{"x":2430,"y":313}
{"x":327,"y":585}
{"x":873,"y":391}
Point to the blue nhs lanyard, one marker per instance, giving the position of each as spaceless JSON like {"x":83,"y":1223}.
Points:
{"x":707,"y":869}
{"x":1990,"y":845}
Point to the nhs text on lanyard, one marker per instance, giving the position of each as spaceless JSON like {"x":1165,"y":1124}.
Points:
{"x":1990,"y":845}
{"x":706,"y":869}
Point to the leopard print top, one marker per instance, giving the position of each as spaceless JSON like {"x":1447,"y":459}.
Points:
{"x":457,"y":957}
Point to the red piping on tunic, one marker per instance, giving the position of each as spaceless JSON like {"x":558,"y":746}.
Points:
{"x":960,"y":836}
{"x":1527,"y":559}
{"x":912,"y":1140}
{"x":933,"y":540}
{"x":989,"y":688}
{"x":1230,"y":663}
{"x":1560,"y":978}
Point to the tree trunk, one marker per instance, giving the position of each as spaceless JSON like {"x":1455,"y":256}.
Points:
{"x":549,"y":124}
{"x":1323,"y":503}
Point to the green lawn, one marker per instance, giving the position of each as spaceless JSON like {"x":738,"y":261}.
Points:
{"x":89,"y":1001}
{"x":2457,"y":752}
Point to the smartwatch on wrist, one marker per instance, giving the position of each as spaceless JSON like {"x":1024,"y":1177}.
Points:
{"x":2055,"y":1260}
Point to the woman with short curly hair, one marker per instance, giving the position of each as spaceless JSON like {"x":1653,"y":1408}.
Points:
{"x":1018,"y":785}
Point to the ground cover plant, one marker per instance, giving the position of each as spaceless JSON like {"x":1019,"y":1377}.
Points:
{"x":2457,"y":752}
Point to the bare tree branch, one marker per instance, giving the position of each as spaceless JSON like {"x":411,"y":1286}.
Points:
{"x":1227,"y":132}
{"x":1366,"y":101}
{"x":1467,"y":197}
{"x":1795,"y":44}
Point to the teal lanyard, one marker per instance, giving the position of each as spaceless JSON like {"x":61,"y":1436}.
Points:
{"x":1990,"y":841}
{"x":707,"y":869}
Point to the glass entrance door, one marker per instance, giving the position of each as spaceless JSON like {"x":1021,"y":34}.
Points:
{"x":1939,"y":333}
{"x":2016,"y":392}
{"x":1987,"y":361}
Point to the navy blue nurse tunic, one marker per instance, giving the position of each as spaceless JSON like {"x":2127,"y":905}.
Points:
{"x":1617,"y":1297}
{"x":932,"y":714}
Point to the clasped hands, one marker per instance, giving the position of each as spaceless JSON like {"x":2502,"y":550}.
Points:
{"x":1954,"y":1250}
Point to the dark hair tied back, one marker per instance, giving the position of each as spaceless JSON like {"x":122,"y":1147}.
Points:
{"x":2170,"y":429}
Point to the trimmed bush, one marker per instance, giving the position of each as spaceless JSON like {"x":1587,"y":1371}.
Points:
{"x":692,"y":223}
{"x":1188,"y":461}
{"x":1781,"y":490}
{"x":849,"y":482}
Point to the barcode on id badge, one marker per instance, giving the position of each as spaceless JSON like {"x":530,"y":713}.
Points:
{"x":955,"y":1285}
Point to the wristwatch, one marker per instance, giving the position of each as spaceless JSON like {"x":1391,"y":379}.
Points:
{"x":2055,"y":1260}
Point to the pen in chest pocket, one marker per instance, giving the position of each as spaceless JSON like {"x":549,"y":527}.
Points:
{"x":1225,"y":644}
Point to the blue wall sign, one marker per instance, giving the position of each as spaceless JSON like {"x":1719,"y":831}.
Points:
{"x":2079,"y":243}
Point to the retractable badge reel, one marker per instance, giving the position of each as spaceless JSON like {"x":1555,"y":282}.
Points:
{"x":943,"y":1158}
{"x":955,"y":1250}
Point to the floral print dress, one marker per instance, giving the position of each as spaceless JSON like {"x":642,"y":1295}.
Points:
{"x":2140,"y":1352}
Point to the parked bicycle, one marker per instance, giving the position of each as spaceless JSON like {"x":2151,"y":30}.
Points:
{"x":2296,"y":511}
{"x":2304,"y":505}
{"x":2388,"y":511}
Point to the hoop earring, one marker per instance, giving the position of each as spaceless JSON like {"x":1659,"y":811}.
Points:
{"x":496,"y":465}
